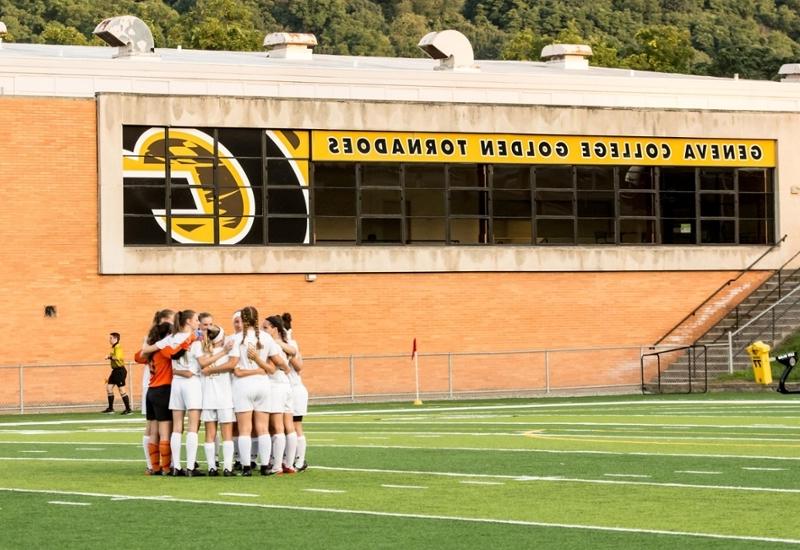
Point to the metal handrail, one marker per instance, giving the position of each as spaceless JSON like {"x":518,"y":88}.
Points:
{"x":759,"y":302}
{"x":713,"y":294}
{"x":732,"y":334}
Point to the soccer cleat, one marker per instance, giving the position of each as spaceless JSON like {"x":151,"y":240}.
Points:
{"x":253,"y":465}
{"x":127,"y":411}
{"x":228,"y":473}
{"x":157,"y":473}
{"x":178,"y":472}
{"x":287,"y":470}
{"x":195,"y":473}
{"x":237,"y":466}
{"x":213,"y":473}
{"x":303,"y":468}
{"x":246,"y":472}
{"x":108,"y":410}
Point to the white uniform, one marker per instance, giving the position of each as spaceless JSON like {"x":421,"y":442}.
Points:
{"x":299,"y":391}
{"x":280,"y":391}
{"x":252,"y":392}
{"x":217,"y":393}
{"x":187,"y":393}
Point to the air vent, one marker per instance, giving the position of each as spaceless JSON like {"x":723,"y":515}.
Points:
{"x":451,"y":48}
{"x":567,"y":56}
{"x":790,"y":72}
{"x":129,"y":34}
{"x":289,"y":45}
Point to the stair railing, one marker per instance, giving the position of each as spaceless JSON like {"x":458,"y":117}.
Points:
{"x":725,"y":284}
{"x":734,"y":333}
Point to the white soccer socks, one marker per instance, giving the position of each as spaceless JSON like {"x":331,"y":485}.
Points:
{"x":291,"y":449}
{"x":301,"y":452}
{"x":278,"y":446}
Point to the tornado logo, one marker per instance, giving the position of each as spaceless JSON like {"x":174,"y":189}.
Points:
{"x":191,"y":162}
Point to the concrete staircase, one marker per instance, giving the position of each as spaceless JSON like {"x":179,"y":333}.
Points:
{"x":772,"y":328}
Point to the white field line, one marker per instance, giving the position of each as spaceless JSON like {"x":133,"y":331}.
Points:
{"x":592,"y":434}
{"x":643,"y":476}
{"x":763,"y":404}
{"x":547,"y":423}
{"x":559,"y":451}
{"x":698,"y":472}
{"x":414,"y":447}
{"x":28,"y":451}
{"x":765,"y":469}
{"x":584,"y":527}
{"x":469,"y":475}
{"x":564,"y":479}
{"x":599,"y":404}
{"x":67,"y":503}
{"x":324,"y":490}
{"x":389,"y":486}
{"x":238,"y":495}
{"x":67,"y":443}
{"x":67,"y":422}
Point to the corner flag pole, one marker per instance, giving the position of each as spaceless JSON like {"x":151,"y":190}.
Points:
{"x":415,"y":357}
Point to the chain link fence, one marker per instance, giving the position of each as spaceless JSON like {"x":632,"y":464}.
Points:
{"x":362,"y":378}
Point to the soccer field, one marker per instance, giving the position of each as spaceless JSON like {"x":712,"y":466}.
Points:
{"x":712,"y":471}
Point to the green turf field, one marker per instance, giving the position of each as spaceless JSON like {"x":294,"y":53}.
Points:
{"x":715,"y":471}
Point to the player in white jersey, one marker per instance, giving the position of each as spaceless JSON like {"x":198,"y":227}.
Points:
{"x":259,"y":356}
{"x":216,"y":371}
{"x":186,"y":392}
{"x":284,"y":437}
{"x":299,"y":398}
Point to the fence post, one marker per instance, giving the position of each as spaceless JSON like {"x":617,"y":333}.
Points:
{"x":450,"y":374}
{"x":21,"y":390}
{"x":730,"y":352}
{"x":547,"y":371}
{"x":352,"y":379}
{"x":131,"y":378}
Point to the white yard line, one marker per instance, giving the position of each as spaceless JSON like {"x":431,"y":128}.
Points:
{"x":32,"y":451}
{"x":698,"y":472}
{"x":559,"y":451}
{"x":67,"y":443}
{"x":67,"y":503}
{"x":764,"y":469}
{"x":540,"y":423}
{"x":643,"y":476}
{"x":432,"y":517}
{"x":324,"y":491}
{"x":238,"y":495}
{"x":389,"y":486}
{"x":564,"y":479}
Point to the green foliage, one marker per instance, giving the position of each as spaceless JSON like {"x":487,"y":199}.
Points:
{"x":714,"y":37}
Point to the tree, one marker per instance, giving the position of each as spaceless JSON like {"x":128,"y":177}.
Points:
{"x":220,"y":25}
{"x":661,"y":48}
{"x":56,"y":33}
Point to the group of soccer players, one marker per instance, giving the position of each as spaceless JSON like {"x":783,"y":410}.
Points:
{"x":246,"y":387}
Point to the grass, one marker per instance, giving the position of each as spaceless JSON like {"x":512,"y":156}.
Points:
{"x":646,"y":472}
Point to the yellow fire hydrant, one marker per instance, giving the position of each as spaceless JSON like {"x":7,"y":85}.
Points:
{"x":759,"y":355}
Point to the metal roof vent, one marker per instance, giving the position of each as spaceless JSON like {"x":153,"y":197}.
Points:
{"x":128,"y":33}
{"x":790,"y":72}
{"x":289,"y":45}
{"x":567,"y":56}
{"x":451,"y":48}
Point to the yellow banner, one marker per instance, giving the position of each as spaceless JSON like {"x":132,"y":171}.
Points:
{"x":538,"y":149}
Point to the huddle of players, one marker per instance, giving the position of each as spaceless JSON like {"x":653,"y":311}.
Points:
{"x":247,"y":384}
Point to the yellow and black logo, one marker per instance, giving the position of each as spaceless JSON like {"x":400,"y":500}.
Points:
{"x":214,"y":188}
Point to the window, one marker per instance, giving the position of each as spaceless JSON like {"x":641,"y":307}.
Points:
{"x":255,"y":187}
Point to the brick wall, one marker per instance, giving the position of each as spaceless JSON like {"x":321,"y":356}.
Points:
{"x":48,"y":220}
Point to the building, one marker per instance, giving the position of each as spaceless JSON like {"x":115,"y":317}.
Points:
{"x":475,"y":206}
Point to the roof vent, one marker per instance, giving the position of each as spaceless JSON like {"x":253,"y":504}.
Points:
{"x":790,"y":72}
{"x":128,"y":33}
{"x":289,"y":45}
{"x":567,"y":56}
{"x":451,"y":48}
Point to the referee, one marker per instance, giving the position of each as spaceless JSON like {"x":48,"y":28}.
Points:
{"x":118,"y":375}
